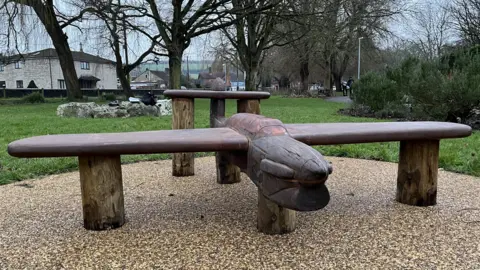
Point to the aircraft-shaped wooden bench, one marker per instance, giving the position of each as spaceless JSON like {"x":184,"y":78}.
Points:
{"x":290,"y":174}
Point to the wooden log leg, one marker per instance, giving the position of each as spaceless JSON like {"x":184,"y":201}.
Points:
{"x":227,"y":173}
{"x":417,"y":172}
{"x":183,"y":118}
{"x":248,"y":106}
{"x":274,"y":219}
{"x":102,"y":192}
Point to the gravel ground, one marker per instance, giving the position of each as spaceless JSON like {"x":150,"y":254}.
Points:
{"x":193,"y":223}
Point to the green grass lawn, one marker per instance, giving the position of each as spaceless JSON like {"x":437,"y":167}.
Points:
{"x":20,"y":121}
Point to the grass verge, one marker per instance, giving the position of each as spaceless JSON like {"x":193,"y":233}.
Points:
{"x":21,"y":121}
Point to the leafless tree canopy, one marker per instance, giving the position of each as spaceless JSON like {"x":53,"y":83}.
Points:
{"x":467,"y":18}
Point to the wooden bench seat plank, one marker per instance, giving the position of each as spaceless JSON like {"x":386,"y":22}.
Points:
{"x":147,"y":142}
{"x":216,"y":94}
{"x":351,"y":133}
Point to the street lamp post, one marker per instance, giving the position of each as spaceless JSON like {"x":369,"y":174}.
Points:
{"x":225,"y":72}
{"x":359,"y":45}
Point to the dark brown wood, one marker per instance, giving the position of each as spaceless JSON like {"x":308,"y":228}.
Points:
{"x":145,"y":142}
{"x":248,"y":106}
{"x":217,"y":110}
{"x":227,"y":173}
{"x":274,"y":219}
{"x":417,"y":172}
{"x":216,"y":94}
{"x":351,"y":133}
{"x":288,"y":172}
{"x":204,"y":140}
{"x":183,"y":109}
{"x":102,"y":192}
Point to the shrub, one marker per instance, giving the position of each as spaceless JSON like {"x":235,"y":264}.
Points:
{"x":376,"y":91}
{"x":423,"y":90}
{"x":34,"y":97}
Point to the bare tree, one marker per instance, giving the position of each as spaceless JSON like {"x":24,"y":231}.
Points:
{"x":54,"y":22}
{"x":431,"y":28}
{"x":300,"y":36}
{"x":344,"y":22}
{"x":252,"y":35}
{"x":117,"y":21}
{"x":466,"y":14}
{"x":181,"y":21}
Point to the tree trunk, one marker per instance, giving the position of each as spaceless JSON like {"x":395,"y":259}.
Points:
{"x":337,"y":80}
{"x":175,"y":65}
{"x":328,"y":80}
{"x":68,"y":70}
{"x":304,"y":74}
{"x":121,"y":74}
{"x":124,"y":81}
{"x":46,"y":14}
{"x":251,"y":78}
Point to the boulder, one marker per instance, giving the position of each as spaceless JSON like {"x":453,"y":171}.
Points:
{"x":140,"y":109}
{"x":165,"y":106}
{"x":125,"y":109}
{"x":109,"y":112}
{"x":76,"y":109}
{"x":474,"y":119}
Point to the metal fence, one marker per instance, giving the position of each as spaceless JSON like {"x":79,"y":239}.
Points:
{"x":61,"y":93}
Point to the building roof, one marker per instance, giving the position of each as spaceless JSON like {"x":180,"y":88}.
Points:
{"x":52,"y":53}
{"x":161,"y":74}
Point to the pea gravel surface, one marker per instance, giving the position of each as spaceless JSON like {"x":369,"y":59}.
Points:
{"x":194,"y":223}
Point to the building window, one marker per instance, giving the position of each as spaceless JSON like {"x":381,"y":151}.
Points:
{"x":1,"y":67}
{"x":19,"y":84}
{"x":85,"y":65}
{"x":17,"y":65}
{"x":61,"y":84}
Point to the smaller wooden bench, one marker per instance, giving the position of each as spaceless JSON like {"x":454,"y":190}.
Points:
{"x":101,"y":175}
{"x":183,"y":116}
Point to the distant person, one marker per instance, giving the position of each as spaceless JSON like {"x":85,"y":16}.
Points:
{"x":349,"y":85}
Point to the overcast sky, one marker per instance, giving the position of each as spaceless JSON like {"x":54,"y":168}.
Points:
{"x":200,"y":48}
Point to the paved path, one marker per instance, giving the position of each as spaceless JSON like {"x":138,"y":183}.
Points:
{"x":340,"y":99}
{"x":194,"y":223}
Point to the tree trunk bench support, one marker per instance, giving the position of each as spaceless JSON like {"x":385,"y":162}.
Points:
{"x":417,"y":172}
{"x":183,"y":117}
{"x":102,"y":192}
{"x":183,"y":109}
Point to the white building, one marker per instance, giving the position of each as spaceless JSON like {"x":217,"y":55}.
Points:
{"x":43,"y":68}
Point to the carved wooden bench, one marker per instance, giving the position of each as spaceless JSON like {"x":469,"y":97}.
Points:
{"x":289,"y":174}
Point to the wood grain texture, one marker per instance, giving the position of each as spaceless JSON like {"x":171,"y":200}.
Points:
{"x":183,"y":110}
{"x":102,"y":192}
{"x":417,"y":172}
{"x":227,"y":173}
{"x":248,"y":106}
{"x":274,"y":219}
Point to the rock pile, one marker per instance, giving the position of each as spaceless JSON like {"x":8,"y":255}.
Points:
{"x":125,"y":109}
{"x":474,"y":119}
